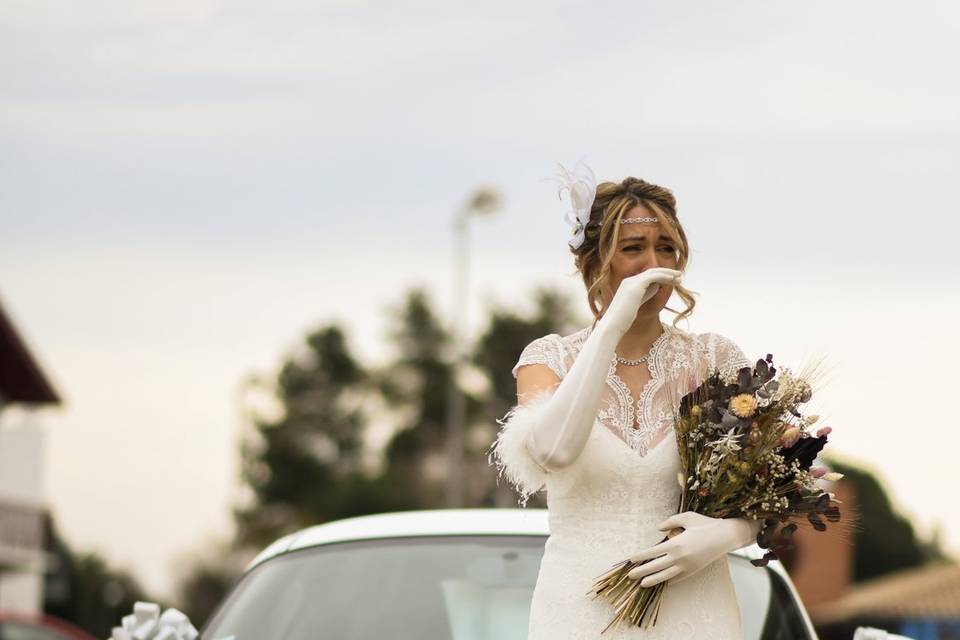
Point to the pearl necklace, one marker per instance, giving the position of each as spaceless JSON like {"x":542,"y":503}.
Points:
{"x":629,"y":362}
{"x":643,"y":358}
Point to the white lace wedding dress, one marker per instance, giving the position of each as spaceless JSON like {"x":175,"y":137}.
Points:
{"x":607,"y":505}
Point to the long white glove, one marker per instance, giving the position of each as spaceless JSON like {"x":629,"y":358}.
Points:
{"x":703,"y":540}
{"x":563,"y":422}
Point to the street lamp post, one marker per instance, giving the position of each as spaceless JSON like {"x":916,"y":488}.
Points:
{"x":483,"y":201}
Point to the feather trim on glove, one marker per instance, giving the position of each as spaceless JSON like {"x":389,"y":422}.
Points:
{"x":509,"y":451}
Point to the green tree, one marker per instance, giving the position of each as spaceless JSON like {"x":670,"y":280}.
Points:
{"x":415,"y":386}
{"x":306,"y":467}
{"x":85,"y":590}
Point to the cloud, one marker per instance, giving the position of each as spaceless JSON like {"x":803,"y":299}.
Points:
{"x":431,"y":71}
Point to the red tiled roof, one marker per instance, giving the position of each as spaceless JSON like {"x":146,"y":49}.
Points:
{"x":931,"y":591}
{"x":21,"y":378}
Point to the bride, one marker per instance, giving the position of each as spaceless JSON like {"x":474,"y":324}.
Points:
{"x":593,"y":425}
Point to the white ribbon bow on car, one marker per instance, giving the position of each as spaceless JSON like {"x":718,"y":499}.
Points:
{"x":147,"y":623}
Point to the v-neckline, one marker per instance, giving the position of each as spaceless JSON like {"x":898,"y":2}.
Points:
{"x":635,"y":412}
{"x":633,"y":405}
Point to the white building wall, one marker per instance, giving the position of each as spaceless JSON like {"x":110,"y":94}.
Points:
{"x":21,"y":512}
{"x":21,"y":464}
{"x":21,"y":591}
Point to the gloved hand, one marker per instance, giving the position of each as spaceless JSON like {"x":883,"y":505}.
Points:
{"x":563,"y":425}
{"x":703,"y":540}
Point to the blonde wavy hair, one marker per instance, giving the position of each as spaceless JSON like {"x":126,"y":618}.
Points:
{"x":613,"y":201}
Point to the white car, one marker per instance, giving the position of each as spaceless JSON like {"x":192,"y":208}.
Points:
{"x":457,"y":574}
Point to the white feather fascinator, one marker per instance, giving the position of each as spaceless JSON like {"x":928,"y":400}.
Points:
{"x":581,"y":185}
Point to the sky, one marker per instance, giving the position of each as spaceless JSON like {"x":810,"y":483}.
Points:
{"x":189,"y":186}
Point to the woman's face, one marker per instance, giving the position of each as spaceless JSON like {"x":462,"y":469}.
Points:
{"x":642,"y":246}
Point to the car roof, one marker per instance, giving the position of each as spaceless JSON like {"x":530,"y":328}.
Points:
{"x":45,"y":621}
{"x":435,"y":522}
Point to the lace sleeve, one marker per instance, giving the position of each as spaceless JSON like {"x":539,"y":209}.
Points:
{"x":725,"y":355}
{"x":546,"y":350}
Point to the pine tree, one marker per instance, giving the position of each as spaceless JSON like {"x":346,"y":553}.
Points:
{"x":307,"y":466}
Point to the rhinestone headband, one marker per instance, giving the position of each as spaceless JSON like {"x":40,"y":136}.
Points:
{"x":626,"y":220}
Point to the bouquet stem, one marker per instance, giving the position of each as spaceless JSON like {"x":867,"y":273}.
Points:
{"x":639,"y":606}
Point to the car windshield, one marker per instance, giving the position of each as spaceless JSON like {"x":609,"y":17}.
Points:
{"x":434,"y":588}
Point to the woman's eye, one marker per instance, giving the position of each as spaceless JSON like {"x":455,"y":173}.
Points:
{"x":637,"y":247}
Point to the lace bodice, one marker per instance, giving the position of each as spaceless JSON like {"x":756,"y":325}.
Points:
{"x":676,"y":358}
{"x":608,"y":503}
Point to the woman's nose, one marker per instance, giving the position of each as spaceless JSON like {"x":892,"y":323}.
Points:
{"x":649,"y":259}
